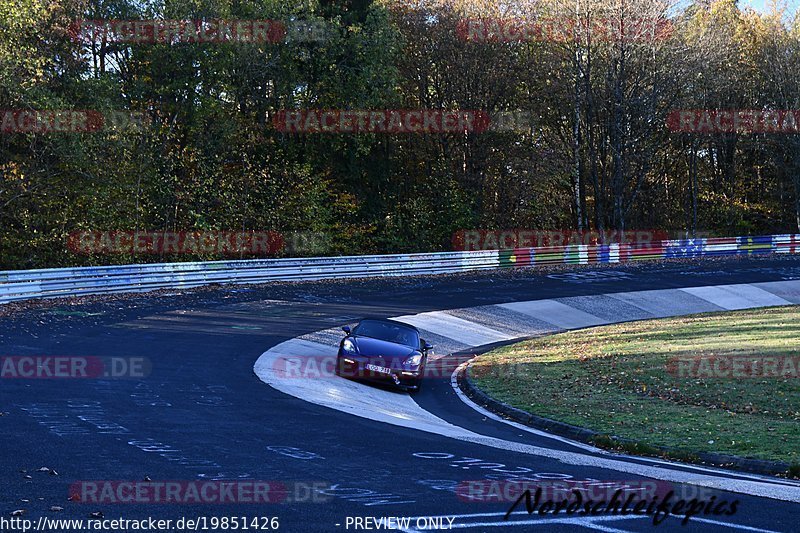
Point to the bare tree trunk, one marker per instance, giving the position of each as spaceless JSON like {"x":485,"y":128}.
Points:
{"x":797,"y":201}
{"x":693,"y":183}
{"x":618,"y":129}
{"x":576,"y":147}
{"x":589,"y":112}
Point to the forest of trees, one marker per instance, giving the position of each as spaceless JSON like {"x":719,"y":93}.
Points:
{"x":596,"y":153}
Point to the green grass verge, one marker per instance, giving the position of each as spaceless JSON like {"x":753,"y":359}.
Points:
{"x":614,"y":380}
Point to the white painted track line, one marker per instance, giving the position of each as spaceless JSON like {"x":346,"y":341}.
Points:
{"x":588,"y":447}
{"x":488,"y":414}
{"x":588,"y":522}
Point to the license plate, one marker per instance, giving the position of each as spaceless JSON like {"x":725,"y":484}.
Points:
{"x":380,"y":369}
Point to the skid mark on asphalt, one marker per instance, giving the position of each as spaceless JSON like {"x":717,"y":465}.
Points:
{"x":666,"y":303}
{"x":401,"y":410}
{"x":787,"y":291}
{"x":327,"y":337}
{"x":504,"y":320}
{"x":560,"y":315}
{"x":606,"y":308}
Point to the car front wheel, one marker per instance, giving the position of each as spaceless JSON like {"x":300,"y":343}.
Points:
{"x":418,"y":383}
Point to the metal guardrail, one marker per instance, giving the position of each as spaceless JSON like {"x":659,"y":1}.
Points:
{"x":60,"y":282}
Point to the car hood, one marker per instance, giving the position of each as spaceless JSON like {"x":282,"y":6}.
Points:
{"x":382,"y":349}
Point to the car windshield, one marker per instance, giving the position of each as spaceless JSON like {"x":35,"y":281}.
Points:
{"x":386,"y":331}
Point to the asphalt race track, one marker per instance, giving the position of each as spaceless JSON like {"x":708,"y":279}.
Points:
{"x":202,"y":413}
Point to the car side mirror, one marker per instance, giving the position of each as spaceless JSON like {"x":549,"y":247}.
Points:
{"x":346,"y":329}
{"x":428,"y":346}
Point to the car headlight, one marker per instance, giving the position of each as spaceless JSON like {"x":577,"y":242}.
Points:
{"x":414,"y":360}
{"x":348,"y":346}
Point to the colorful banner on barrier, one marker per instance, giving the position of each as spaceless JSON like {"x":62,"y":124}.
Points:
{"x":669,"y":249}
{"x":24,"y":285}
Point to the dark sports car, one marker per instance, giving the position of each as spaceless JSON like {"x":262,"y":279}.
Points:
{"x":383,"y":350}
